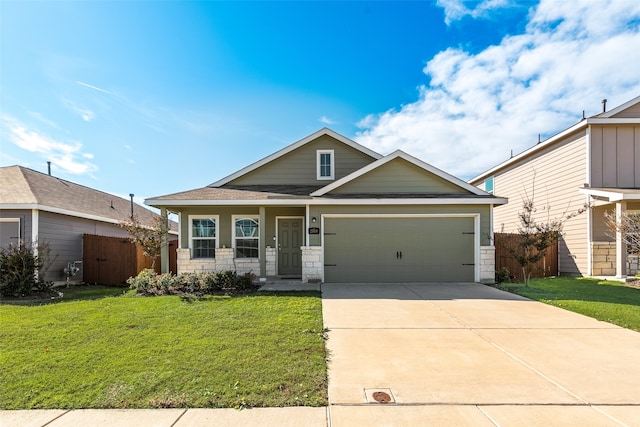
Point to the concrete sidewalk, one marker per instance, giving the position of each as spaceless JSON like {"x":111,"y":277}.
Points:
{"x":468,"y":354}
{"x":284,"y":417}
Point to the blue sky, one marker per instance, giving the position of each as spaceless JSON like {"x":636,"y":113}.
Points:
{"x":151,"y":97}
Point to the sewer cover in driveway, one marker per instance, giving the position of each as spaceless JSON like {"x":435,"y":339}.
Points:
{"x":379,"y":395}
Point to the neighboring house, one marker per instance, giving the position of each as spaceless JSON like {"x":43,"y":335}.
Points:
{"x":36,"y":207}
{"x":328,"y":209}
{"x":595,"y":162}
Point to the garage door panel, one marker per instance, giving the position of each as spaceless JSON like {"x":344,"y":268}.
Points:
{"x":399,"y":249}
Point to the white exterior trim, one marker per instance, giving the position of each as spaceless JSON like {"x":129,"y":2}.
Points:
{"x":332,"y":175}
{"x":216,"y":218}
{"x":476,"y":231}
{"x":402,"y":155}
{"x":322,"y":201}
{"x":233,"y":233}
{"x":294,"y":146}
{"x":613,"y":195}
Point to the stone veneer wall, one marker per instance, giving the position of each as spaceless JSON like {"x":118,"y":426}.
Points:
{"x":311,"y":264}
{"x":487,"y":264}
{"x":224,"y":260}
{"x":604,"y":260}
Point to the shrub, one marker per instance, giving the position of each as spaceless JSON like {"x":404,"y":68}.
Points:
{"x":194,"y":284}
{"x":503,"y":275}
{"x":22,"y":270}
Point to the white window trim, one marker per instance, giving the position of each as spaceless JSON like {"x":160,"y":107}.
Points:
{"x":216,"y":218}
{"x":333,"y":165}
{"x":233,"y":232}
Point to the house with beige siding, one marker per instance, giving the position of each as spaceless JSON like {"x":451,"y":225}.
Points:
{"x":37,"y":207}
{"x":594,"y":162}
{"x":328,"y":209}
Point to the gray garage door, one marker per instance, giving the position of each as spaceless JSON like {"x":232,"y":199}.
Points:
{"x":432,"y":249}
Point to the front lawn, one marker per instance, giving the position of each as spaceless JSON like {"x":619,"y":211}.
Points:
{"x":147,"y":352}
{"x":609,"y":301}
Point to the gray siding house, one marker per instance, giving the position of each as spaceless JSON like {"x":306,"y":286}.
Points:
{"x":328,"y":209}
{"x":36,"y":207}
{"x":595,"y":162}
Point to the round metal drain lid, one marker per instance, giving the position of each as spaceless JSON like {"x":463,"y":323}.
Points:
{"x":381,"y":397}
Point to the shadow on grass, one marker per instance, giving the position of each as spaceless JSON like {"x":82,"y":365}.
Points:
{"x":63,"y":294}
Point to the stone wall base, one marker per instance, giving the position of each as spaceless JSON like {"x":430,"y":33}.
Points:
{"x":312,"y":264}
{"x":487,"y":264}
{"x":224,"y":260}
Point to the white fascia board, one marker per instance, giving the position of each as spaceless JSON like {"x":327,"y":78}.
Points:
{"x":612,"y":196}
{"x":294,"y":146}
{"x":59,"y":211}
{"x":323,"y":201}
{"x":43,"y":208}
{"x":409,"y":158}
{"x":614,"y":121}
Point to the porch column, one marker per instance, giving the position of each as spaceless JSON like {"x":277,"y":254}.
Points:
{"x":621,"y":246}
{"x":164,"y":248}
{"x":262,"y":229}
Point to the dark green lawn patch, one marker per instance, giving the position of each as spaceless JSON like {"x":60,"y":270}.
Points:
{"x":64,"y":294}
{"x":610,"y":301}
{"x":137,"y":352}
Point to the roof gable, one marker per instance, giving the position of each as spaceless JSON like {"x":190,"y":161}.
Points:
{"x":400,"y":173}
{"x":630,"y":109}
{"x":296,"y":163}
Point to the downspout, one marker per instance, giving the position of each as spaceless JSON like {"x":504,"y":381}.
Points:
{"x":588,"y":202}
{"x":35,"y":228}
{"x":263,"y":244}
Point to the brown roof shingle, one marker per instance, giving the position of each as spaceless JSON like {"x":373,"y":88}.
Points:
{"x":20,"y":185}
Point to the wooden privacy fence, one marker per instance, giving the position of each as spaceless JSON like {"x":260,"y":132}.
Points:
{"x":547,"y":266}
{"x":112,"y":260}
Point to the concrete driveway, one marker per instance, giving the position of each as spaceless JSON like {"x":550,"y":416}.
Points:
{"x":468,"y":354}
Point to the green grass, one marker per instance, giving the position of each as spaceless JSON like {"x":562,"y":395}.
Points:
{"x":608,"y":301}
{"x":135,"y":352}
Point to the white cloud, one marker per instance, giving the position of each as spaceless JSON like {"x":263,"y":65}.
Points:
{"x":65,"y":155}
{"x":87,"y":85}
{"x":479,"y":107}
{"x":86,"y":114}
{"x":327,"y":121}
{"x":457,"y":9}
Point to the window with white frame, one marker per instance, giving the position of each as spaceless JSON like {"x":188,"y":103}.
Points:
{"x":488,"y":185}
{"x":203,"y":236}
{"x":325,"y":164}
{"x":246,"y":236}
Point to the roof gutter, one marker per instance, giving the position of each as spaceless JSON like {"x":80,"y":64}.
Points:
{"x":336,"y":202}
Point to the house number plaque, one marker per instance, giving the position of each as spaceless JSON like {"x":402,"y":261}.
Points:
{"x":314,"y":230}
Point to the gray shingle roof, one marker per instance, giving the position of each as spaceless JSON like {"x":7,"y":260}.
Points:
{"x":24,"y":186}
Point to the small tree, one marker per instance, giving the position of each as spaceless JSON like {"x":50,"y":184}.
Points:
{"x":628,"y":226}
{"x":535,"y":237}
{"x":150,"y":238}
